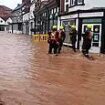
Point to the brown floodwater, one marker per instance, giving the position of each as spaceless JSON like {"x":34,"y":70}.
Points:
{"x":29,"y":76}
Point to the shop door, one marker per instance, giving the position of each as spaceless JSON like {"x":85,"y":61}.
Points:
{"x":96,"y":40}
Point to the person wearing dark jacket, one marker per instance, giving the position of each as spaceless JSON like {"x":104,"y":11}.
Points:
{"x":73,"y":35}
{"x":62,"y":36}
{"x":87,"y":39}
{"x":53,"y":40}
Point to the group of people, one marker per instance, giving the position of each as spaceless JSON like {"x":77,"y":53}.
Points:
{"x":57,"y":37}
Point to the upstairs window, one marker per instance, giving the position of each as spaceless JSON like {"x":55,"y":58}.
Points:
{"x":72,"y":2}
{"x":67,"y":7}
{"x":76,"y":2}
{"x":67,"y":0}
{"x":80,"y":2}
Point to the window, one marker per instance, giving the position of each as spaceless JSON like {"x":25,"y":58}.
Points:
{"x":54,"y":10}
{"x":72,"y":2}
{"x":67,"y":7}
{"x":31,"y":25}
{"x":19,"y":26}
{"x":1,"y":21}
{"x":76,"y":2}
{"x":80,"y":2}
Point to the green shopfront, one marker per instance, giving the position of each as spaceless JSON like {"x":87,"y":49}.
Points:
{"x":82,"y":18}
{"x":96,"y":27}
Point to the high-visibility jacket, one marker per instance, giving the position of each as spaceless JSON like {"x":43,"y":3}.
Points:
{"x":53,"y":37}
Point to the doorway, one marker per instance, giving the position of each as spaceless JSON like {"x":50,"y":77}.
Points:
{"x":96,"y":40}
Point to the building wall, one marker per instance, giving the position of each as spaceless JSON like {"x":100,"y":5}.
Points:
{"x":17,"y":19}
{"x":2,"y":25}
{"x":15,"y":28}
{"x":32,"y":8}
{"x":26,"y":18}
{"x":62,"y":6}
{"x":94,"y":3}
{"x":2,"y":22}
{"x":9,"y":20}
{"x":8,"y":23}
{"x":31,"y":18}
{"x":88,"y":4}
{"x":31,"y":26}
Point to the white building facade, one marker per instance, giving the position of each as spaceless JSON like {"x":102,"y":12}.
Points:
{"x":4,"y":24}
{"x":9,"y":25}
{"x":26,"y":18}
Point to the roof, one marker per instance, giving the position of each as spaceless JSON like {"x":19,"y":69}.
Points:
{"x":5,"y":12}
{"x":19,"y":6}
{"x":4,"y":7}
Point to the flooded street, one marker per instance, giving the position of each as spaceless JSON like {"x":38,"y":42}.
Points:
{"x":29,"y":76}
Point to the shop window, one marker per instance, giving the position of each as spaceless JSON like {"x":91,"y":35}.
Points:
{"x":1,"y":28}
{"x":67,"y":29}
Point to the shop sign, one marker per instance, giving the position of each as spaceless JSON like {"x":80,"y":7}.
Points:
{"x":92,"y":21}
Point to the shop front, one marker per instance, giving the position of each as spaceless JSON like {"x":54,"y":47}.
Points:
{"x":81,"y":19}
{"x":67,"y":23}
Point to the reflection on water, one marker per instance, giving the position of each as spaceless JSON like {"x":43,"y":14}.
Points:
{"x":29,"y":76}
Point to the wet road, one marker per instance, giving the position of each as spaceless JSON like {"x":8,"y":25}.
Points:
{"x":29,"y":76}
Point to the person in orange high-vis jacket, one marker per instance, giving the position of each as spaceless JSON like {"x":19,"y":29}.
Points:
{"x":53,"y":40}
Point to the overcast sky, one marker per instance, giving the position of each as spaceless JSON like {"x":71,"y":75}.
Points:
{"x":10,"y":3}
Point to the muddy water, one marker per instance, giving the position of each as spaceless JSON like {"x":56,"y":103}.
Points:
{"x":29,"y":76}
